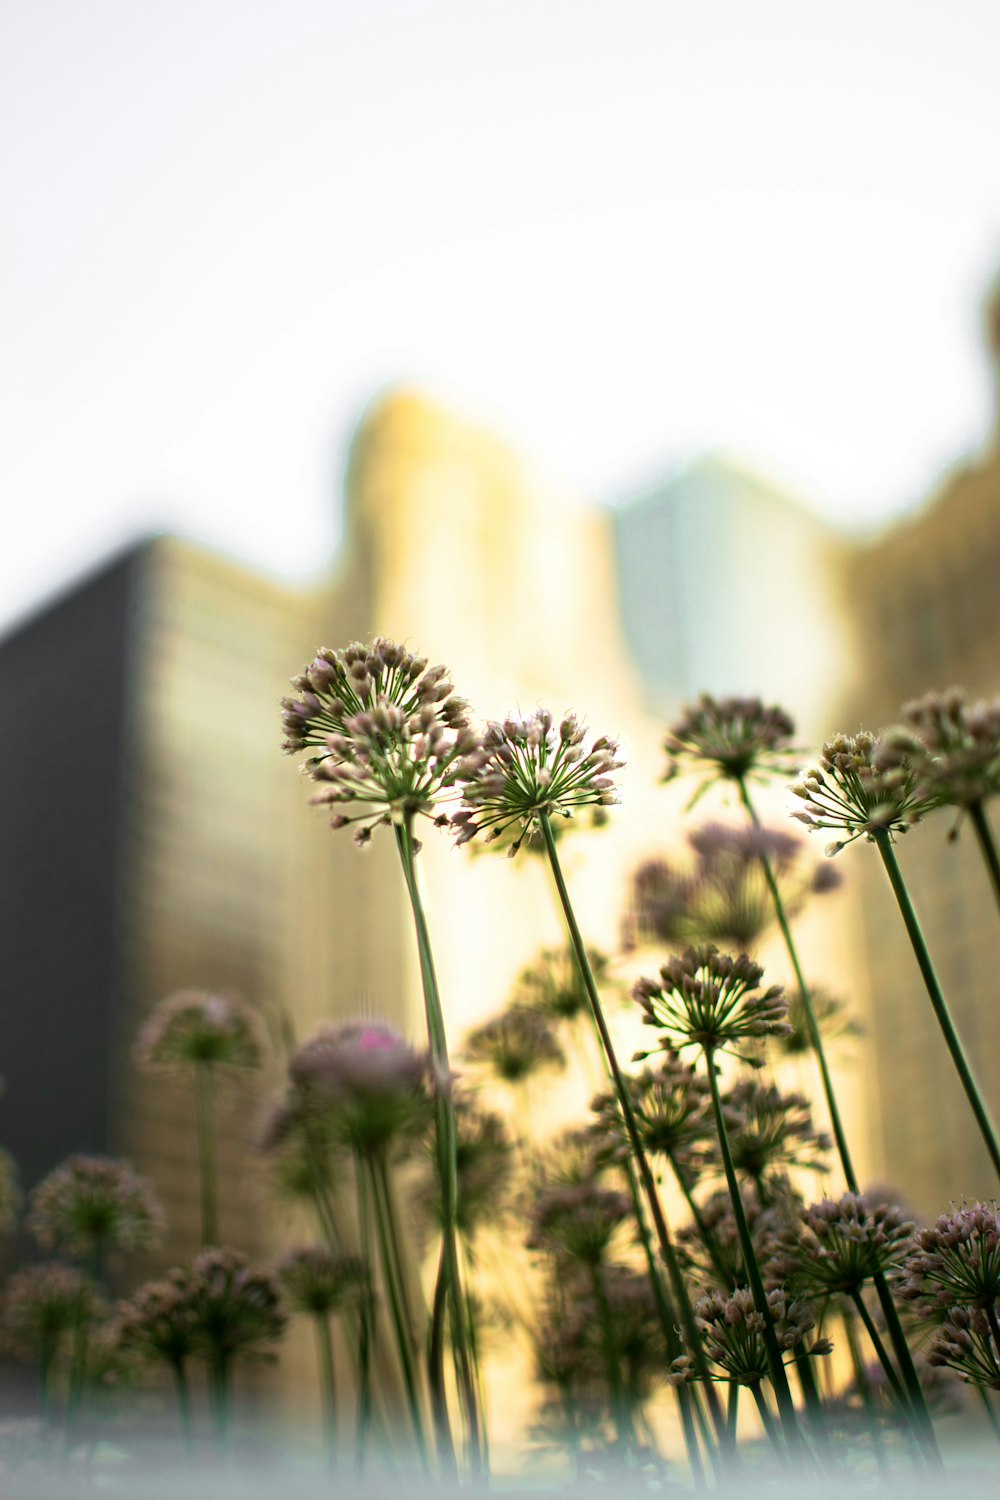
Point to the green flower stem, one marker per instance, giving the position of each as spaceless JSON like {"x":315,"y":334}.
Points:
{"x":447,"y":1156}
{"x":810,"y":1392}
{"x":937,"y":998}
{"x":775,"y":1364}
{"x":682,"y":1300}
{"x":183,"y":1400}
{"x":984,"y":1396}
{"x":987,"y":845}
{"x":328,"y":1391}
{"x":812,"y":1026}
{"x":366,"y":1315}
{"x":435,"y":1364}
{"x":218,"y":1379}
{"x":624,"y":1434}
{"x":705,"y":1234}
{"x":865,"y":1391}
{"x":206,"y":1152}
{"x":881,"y":1351}
{"x":732,"y":1412}
{"x":925,"y":1429}
{"x":767,"y":1421}
{"x":403,"y":1336}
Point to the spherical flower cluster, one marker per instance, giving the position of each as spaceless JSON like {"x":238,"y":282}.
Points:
{"x":158,"y":1323}
{"x":484,"y":1159}
{"x":515,"y":1044}
{"x":711,"y":999}
{"x":94,"y":1204}
{"x":730,"y":739}
{"x":388,"y":731}
{"x":960,"y":745}
{"x":672,"y":1113}
{"x":770,"y":1131}
{"x":733,"y":1331}
{"x":578,"y":1223}
{"x":956,"y":1262}
{"x":367,"y":1084}
{"x":316,"y":1281}
{"x":234,"y":1307}
{"x":194,"y":1029}
{"x":834,"y":1024}
{"x":527,"y":769}
{"x":42,"y":1303}
{"x":862,"y":787}
{"x":711,"y":1247}
{"x":847,"y":1241}
{"x":553,"y":986}
{"x":966,"y":1342}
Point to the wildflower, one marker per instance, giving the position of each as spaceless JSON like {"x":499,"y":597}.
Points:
{"x":729,"y":739}
{"x":515,"y":1044}
{"x":553,"y":986}
{"x":318,"y":1282}
{"x":158,"y":1322}
{"x":711,"y":999}
{"x":527,"y":769}
{"x":711,"y":1245}
{"x":831,"y":1019}
{"x":956,"y":1262}
{"x":965,"y":1342}
{"x":234,"y":1308}
{"x":578,"y":1223}
{"x":769,"y":1131}
{"x":862,"y":787}
{"x":369,"y":1085}
{"x":388,"y":731}
{"x":194,"y":1029}
{"x":848,"y":1241}
{"x":733,"y":1331}
{"x":485,"y":1159}
{"x":673,"y":1113}
{"x":43,"y":1303}
{"x":93,"y":1204}
{"x":960,"y":745}
{"x":660,"y":905}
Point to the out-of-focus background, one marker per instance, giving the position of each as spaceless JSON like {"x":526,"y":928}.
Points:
{"x":607,"y":354}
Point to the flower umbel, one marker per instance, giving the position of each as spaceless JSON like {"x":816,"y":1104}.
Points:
{"x":847,"y":1241}
{"x":713,"y":1000}
{"x":863,"y":786}
{"x":733,"y":1331}
{"x":387,"y":730}
{"x":93,"y":1204}
{"x":193,"y":1029}
{"x":526,"y":768}
{"x":730,"y":739}
{"x":956,"y":1262}
{"x":961,"y":745}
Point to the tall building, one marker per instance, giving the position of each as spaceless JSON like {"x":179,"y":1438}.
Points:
{"x":922,"y":602}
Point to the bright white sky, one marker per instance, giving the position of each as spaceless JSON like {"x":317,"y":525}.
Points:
{"x":621,"y":232}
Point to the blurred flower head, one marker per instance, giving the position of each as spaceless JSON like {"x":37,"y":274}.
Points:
{"x":94,"y":1204}
{"x":157,"y":1324}
{"x":195,"y":1029}
{"x":526,"y":768}
{"x":388,"y":731}
{"x":770,"y":1131}
{"x":712,"y":1000}
{"x":965,"y":1343}
{"x":42,"y":1303}
{"x":515,"y":1045}
{"x":578,"y":1224}
{"x":672,"y":1113}
{"x":235,"y":1308}
{"x":834,"y":1024}
{"x":863,"y":786}
{"x":553,"y":986}
{"x":365,"y":1082}
{"x":317,"y":1281}
{"x":956,"y":1261}
{"x":958,"y":746}
{"x":729,"y":739}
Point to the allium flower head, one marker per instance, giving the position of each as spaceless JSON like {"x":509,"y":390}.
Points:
{"x":831,"y":1018}
{"x":960,"y":742}
{"x":862,"y":786}
{"x":770,"y":1131}
{"x":578,"y":1223}
{"x":713,"y":1000}
{"x":316,"y":1281}
{"x":733,"y":1331}
{"x":956,"y":1262}
{"x":94,"y":1204}
{"x":485,"y":1162}
{"x":158,"y":1323}
{"x":722,"y":1262}
{"x":194,"y":1029}
{"x":368,"y":1083}
{"x":965,"y":1343}
{"x":553,"y":986}
{"x":729,"y":739}
{"x":387,"y":730}
{"x":235,"y":1308}
{"x":847,"y":1241}
{"x":526,"y":768}
{"x":42,"y":1303}
{"x":672,"y":1113}
{"x":516,"y":1044}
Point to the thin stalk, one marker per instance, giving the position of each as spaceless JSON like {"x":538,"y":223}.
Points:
{"x":779,"y":1380}
{"x":812,"y":1026}
{"x":705,"y":1234}
{"x":206,"y":1153}
{"x":403,"y":1337}
{"x":624,"y":1435}
{"x":767,"y":1421}
{"x":925,"y":1428}
{"x":732,"y":1411}
{"x":183,"y":1400}
{"x":865,"y":1391}
{"x":366,"y":1315}
{"x":882,"y":1353}
{"x":987,"y":845}
{"x":218,"y":1374}
{"x":447,"y":1153}
{"x":435,"y":1363}
{"x":990,"y":1412}
{"x":936,"y":995}
{"x":328,"y":1391}
{"x":991,"y":1318}
{"x":646,"y":1178}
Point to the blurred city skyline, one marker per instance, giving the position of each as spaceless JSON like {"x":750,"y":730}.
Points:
{"x":621,"y":242}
